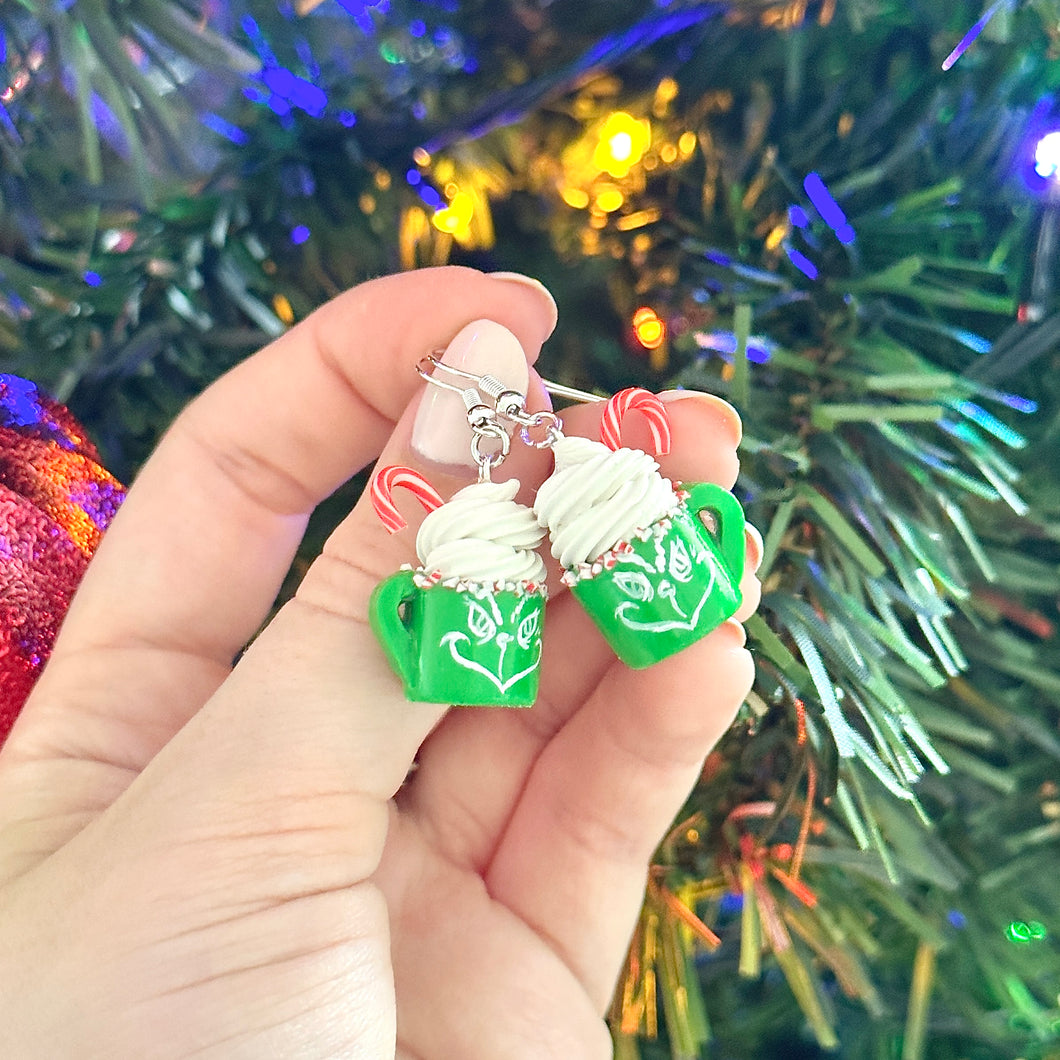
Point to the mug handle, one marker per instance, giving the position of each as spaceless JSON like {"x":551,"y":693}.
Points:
{"x":727,"y":512}
{"x":388,"y":624}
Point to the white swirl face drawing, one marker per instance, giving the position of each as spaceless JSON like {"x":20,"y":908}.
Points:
{"x":485,"y":648}
{"x":668,"y":594}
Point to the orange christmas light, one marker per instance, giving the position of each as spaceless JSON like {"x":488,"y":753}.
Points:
{"x":649,"y":329}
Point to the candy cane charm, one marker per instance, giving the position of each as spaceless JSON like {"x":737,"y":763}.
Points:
{"x":639,"y":400}
{"x":384,"y":483}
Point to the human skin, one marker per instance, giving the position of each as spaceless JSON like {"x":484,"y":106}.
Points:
{"x":285,"y":858}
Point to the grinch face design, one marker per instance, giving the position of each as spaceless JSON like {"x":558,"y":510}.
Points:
{"x":497,"y":643}
{"x":665,"y":593}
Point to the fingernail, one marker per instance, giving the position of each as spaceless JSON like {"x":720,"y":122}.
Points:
{"x":722,"y":409}
{"x":755,"y":545}
{"x":440,"y":431}
{"x":533,"y":285}
{"x":737,"y":629}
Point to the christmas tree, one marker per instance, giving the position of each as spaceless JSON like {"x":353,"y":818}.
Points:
{"x":841,"y":216}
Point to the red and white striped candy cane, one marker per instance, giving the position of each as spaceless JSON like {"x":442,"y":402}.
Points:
{"x":387,"y":480}
{"x":643,"y":401}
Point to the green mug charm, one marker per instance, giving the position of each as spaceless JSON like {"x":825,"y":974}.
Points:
{"x":672,"y":583}
{"x":465,"y":626}
{"x":636,"y":552}
{"x":471,"y":646}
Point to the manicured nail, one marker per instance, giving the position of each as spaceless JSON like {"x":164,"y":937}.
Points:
{"x":533,"y":285}
{"x":738,"y":630}
{"x":440,"y":431}
{"x":722,"y":409}
{"x":755,"y":547}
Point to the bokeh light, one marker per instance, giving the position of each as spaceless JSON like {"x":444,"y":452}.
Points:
{"x":1047,"y":156}
{"x":649,"y":329}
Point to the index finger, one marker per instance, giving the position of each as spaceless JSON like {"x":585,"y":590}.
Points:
{"x":193,"y":561}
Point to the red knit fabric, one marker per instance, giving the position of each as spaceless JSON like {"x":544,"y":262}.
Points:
{"x":55,"y":502}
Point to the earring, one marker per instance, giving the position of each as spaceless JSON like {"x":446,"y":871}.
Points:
{"x":464,"y":626}
{"x":656,"y":566}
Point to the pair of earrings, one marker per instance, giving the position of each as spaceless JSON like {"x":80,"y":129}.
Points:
{"x":656,"y":565}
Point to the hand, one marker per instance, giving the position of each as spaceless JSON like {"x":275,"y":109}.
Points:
{"x":204,"y":860}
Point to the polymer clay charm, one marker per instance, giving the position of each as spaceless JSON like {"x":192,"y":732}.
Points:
{"x":656,"y":566}
{"x":463,"y":627}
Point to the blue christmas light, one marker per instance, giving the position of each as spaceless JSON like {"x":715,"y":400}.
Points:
{"x":224,"y":128}
{"x":348,"y":118}
{"x":974,"y":342}
{"x":758,"y":350}
{"x":430,"y":196}
{"x":798,"y":216}
{"x":969,"y":38}
{"x":299,"y":234}
{"x":731,"y":903}
{"x":294,"y":89}
{"x":1047,"y":156}
{"x":251,"y":28}
{"x":360,"y":12}
{"x":828,"y":208}
{"x":821,"y":197}
{"x":801,"y":262}
{"x":1013,"y":401}
{"x":413,"y":177}
{"x":93,"y":279}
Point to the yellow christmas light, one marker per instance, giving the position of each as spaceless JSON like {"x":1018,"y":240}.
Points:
{"x":622,"y":143}
{"x":575,"y":197}
{"x":665,"y":94}
{"x":609,"y":198}
{"x":282,"y":307}
{"x":455,"y":219}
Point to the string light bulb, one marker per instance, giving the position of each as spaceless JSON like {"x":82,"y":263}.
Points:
{"x":455,"y":219}
{"x":1047,"y":156}
{"x":622,"y":143}
{"x":648,"y":328}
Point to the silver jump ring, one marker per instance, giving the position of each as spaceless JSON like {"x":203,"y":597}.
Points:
{"x":485,"y":460}
{"x":549,"y":420}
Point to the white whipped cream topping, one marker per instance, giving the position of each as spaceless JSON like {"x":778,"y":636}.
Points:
{"x":482,"y":534}
{"x":597,"y":498}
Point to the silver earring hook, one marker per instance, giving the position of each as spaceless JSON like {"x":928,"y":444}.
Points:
{"x":570,"y":393}
{"x":506,"y":400}
{"x":481,"y":418}
{"x":494,"y":388}
{"x":508,"y":404}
